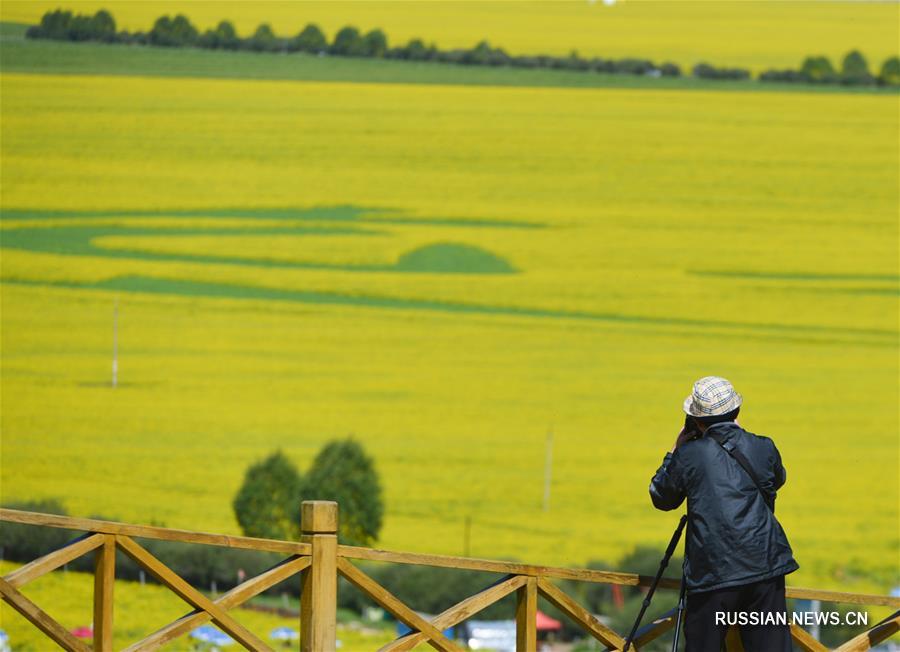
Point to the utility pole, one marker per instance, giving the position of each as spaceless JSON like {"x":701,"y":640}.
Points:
{"x":115,"y":359}
{"x":548,"y":469}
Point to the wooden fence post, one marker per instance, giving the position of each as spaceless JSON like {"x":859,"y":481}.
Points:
{"x":104,"y":580}
{"x":318,"y":601}
{"x":526,"y":617}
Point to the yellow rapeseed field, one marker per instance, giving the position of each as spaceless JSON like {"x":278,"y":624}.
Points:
{"x":755,"y":35}
{"x":250,"y":233}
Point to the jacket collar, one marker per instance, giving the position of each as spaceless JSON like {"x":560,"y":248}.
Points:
{"x":727,"y":429}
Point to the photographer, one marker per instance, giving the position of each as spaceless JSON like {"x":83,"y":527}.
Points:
{"x":736,"y":552}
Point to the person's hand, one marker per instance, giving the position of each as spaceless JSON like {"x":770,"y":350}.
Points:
{"x":683,"y":436}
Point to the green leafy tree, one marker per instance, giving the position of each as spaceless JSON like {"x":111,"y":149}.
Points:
{"x":890,"y":72}
{"x":268,"y":503}
{"x":855,"y":69}
{"x":347,"y":42}
{"x":343,"y":472}
{"x":310,"y":39}
{"x":223,"y":36}
{"x":375,"y":43}
{"x":264,"y":39}
{"x":174,"y":32}
{"x":818,"y":69}
{"x":103,"y":26}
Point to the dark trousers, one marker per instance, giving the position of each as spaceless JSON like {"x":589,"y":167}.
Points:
{"x":702,"y":633}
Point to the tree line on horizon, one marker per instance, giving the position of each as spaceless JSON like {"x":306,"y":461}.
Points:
{"x":351,"y":42}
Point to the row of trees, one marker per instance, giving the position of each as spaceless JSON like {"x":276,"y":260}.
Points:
{"x":854,"y":71}
{"x":350,"y":42}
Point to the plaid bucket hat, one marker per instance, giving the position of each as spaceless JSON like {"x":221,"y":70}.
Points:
{"x":712,"y":397}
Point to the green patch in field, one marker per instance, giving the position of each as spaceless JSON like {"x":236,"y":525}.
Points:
{"x":372,"y":215}
{"x":83,"y":240}
{"x":453,"y":258}
{"x":204,"y":289}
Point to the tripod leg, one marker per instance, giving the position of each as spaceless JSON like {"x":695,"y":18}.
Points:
{"x":679,"y":613}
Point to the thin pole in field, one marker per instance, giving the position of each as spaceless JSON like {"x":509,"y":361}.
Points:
{"x":115,"y":359}
{"x":548,"y":469}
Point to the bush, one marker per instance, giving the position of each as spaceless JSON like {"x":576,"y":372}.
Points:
{"x":224,"y":36}
{"x":855,"y":70}
{"x":310,"y":39}
{"x":634,"y":66}
{"x":374,"y":44}
{"x":347,"y":42}
{"x":890,"y":72}
{"x":173,"y":32}
{"x":707,"y":71}
{"x":268,"y":503}
{"x":25,"y":543}
{"x":264,"y":40}
{"x":669,"y":69}
{"x":342,"y":472}
{"x":787,"y":75}
{"x":484,"y":55}
{"x":819,"y":70}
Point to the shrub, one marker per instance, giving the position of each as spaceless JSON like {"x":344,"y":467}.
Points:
{"x":374,"y":44}
{"x":264,"y":40}
{"x":268,"y":502}
{"x":855,"y":70}
{"x":787,"y":75}
{"x":224,"y":36}
{"x":347,"y":42}
{"x":634,"y":66}
{"x":310,"y":39}
{"x":25,"y":543}
{"x":890,"y":72}
{"x":342,"y":472}
{"x":818,"y":69}
{"x":707,"y":71}
{"x":173,"y":32}
{"x":669,"y":69}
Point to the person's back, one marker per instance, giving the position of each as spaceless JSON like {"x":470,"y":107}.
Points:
{"x":736,"y":551}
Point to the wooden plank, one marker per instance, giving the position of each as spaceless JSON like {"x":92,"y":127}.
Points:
{"x":52,"y":561}
{"x":40,"y":619}
{"x":394,"y":606}
{"x":868,"y":640}
{"x":233,"y":598}
{"x":526,"y":617}
{"x":148,"y":532}
{"x":318,"y":597}
{"x":846,"y":598}
{"x":655,"y":628}
{"x":190,"y":595}
{"x":459,"y":612}
{"x":104,"y":581}
{"x":805,"y":641}
{"x":503,"y":567}
{"x":579,"y":614}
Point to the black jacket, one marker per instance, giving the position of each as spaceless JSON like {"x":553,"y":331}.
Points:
{"x":733,"y":538}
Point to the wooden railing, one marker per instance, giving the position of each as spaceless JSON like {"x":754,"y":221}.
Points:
{"x":320,"y":560}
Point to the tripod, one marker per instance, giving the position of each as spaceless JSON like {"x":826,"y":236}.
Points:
{"x":676,"y":537}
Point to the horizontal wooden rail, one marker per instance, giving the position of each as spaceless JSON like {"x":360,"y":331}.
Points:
{"x":151,"y":532}
{"x":319,"y":560}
